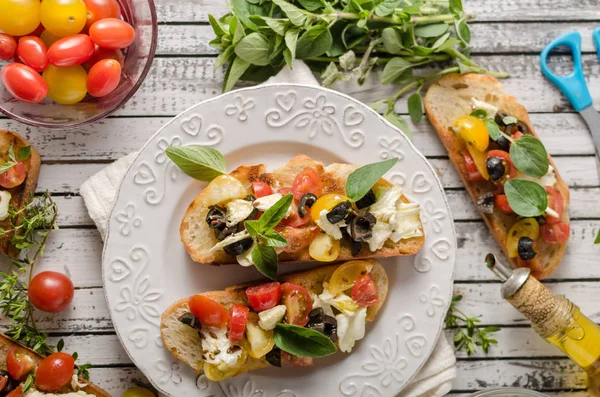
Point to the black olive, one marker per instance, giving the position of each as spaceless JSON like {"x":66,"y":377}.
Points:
{"x":216,"y":217}
{"x":9,"y":385}
{"x":306,"y":201}
{"x":274,"y":357}
{"x":541,"y":220}
{"x":367,"y":200}
{"x":339,"y":212}
{"x":356,"y":247}
{"x":222,"y":232}
{"x":190,"y":320}
{"x":495,"y":168}
{"x":361,"y":226}
{"x":525,"y":249}
{"x":499,"y":119}
{"x":503,"y":143}
{"x":485,"y":203}
{"x":319,"y":321}
{"x":239,"y":247}
{"x":250,"y":198}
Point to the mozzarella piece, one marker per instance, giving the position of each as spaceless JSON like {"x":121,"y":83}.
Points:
{"x":341,"y":301}
{"x":237,"y":211}
{"x":350,"y":329}
{"x":266,"y":202}
{"x":218,"y":347}
{"x":75,"y":384}
{"x":4,"y":204}
{"x":269,"y":318}
{"x":385,"y":206}
{"x":406,"y":223}
{"x":317,"y":302}
{"x":489,"y":108}
{"x":232,"y":238}
{"x":245,"y":259}
{"x":381,"y":232}
{"x":329,"y":228}
{"x":547,"y":180}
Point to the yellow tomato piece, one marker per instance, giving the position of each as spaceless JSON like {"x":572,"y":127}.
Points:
{"x":479,"y":158}
{"x":345,"y":276}
{"x":324,"y":248}
{"x":259,"y":341}
{"x":66,"y":85}
{"x":223,"y":371}
{"x":326,"y":202}
{"x":526,"y":227}
{"x":19,"y":17}
{"x":473,"y":131}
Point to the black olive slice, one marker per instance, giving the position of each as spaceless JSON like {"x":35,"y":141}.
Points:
{"x":499,"y":119}
{"x":339,"y":212}
{"x":319,"y":321}
{"x":485,"y":203}
{"x":496,"y":168}
{"x":190,"y":320}
{"x":541,"y":220}
{"x":274,"y":357}
{"x":222,"y":232}
{"x":525,"y":249}
{"x":306,"y":201}
{"x":356,"y":247}
{"x":239,"y":247}
{"x":361,"y":226}
{"x":503,"y":143}
{"x":216,"y":217}
{"x":367,"y":200}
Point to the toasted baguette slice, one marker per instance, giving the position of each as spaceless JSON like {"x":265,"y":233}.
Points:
{"x":23,"y":193}
{"x":198,"y":238}
{"x":185,"y":344}
{"x":450,"y":98}
{"x":6,"y":343}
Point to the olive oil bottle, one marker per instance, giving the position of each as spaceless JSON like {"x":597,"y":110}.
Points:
{"x":554,"y":318}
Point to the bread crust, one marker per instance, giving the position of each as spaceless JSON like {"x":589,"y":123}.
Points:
{"x":198,"y":238}
{"x":458,"y":90}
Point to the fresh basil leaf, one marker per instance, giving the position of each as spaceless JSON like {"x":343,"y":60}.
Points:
{"x":492,"y":128}
{"x":455,"y":7}
{"x":525,"y":197}
{"x":463,"y":32}
{"x":271,"y":217}
{"x":431,"y":30}
{"x":597,"y":240}
{"x":529,"y":155}
{"x":415,"y":107}
{"x":399,"y":122}
{"x":394,"y":69}
{"x":23,"y":153}
{"x":11,"y":153}
{"x":6,"y":166}
{"x":253,"y":228}
{"x":316,"y":41}
{"x":224,"y":56}
{"x":279,"y":26}
{"x":272,"y":238}
{"x":348,"y":60}
{"x":217,"y":28}
{"x":265,"y":260}
{"x":288,"y":57}
{"x":291,"y":39}
{"x":361,"y":180}
{"x":386,"y":7}
{"x":237,"y":30}
{"x":312,"y":5}
{"x":448,"y":44}
{"x":199,"y":162}
{"x":440,"y":41}
{"x":303,"y":342}
{"x":509,"y":120}
{"x":294,"y":14}
{"x":254,"y":49}
{"x":240,"y":9}
{"x":235,"y":71}
{"x":392,"y":41}
{"x":479,"y":113}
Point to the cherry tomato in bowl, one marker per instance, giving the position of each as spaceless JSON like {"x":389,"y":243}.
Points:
{"x":264,"y":296}
{"x":51,"y":291}
{"x":19,"y":363}
{"x":19,"y":17}
{"x":24,"y":83}
{"x":101,"y":9}
{"x":298,"y":303}
{"x":8,"y":46}
{"x":66,"y":85}
{"x":103,"y":78}
{"x":208,"y":311}
{"x":14,"y":176}
{"x":112,"y":33}
{"x":104,"y":53}
{"x":63,"y":17}
{"x":70,"y":51}
{"x":32,"y":51}
{"x":54,"y":372}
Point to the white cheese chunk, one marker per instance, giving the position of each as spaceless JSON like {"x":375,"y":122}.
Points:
{"x":381,"y":232}
{"x":245,"y":259}
{"x":232,"y":238}
{"x":547,"y":180}
{"x":406,"y":223}
{"x":385,"y":206}
{"x":350,"y":329}
{"x":217,"y":348}
{"x":340,"y":301}
{"x":317,"y":302}
{"x":269,"y":318}
{"x":75,"y":384}
{"x":237,"y":211}
{"x":266,"y":202}
{"x":329,"y":228}
{"x":4,"y":203}
{"x":489,"y":108}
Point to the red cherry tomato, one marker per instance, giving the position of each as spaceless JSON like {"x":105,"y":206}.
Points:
{"x":71,"y":50}
{"x":473,"y":173}
{"x":556,"y":233}
{"x":208,"y":311}
{"x":14,"y":176}
{"x":18,"y":363}
{"x":512,"y":171}
{"x":112,"y":33}
{"x":238,"y":317}
{"x":103,"y":78}
{"x":105,"y":53}
{"x":308,"y":181}
{"x":18,"y":392}
{"x":261,"y":189}
{"x":8,"y":46}
{"x":501,"y":202}
{"x":294,"y":219}
{"x":32,"y":51}
{"x":24,"y":83}
{"x":100,"y":9}
{"x":364,"y":291}
{"x":298,"y":238}
{"x":54,"y":372}
{"x":264,"y":296}
{"x":51,"y":291}
{"x":555,"y":202}
{"x":297,"y":361}
{"x":298,"y":302}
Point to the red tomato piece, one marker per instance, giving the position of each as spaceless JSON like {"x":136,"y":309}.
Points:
{"x":101,"y":53}
{"x":3,"y":381}
{"x":264,"y":296}
{"x":8,"y":46}
{"x":71,"y":50}
{"x":14,"y":176}
{"x":32,"y":51}
{"x":285,"y":190}
{"x":556,"y":233}
{"x":101,"y":9}
{"x":261,"y":189}
{"x":54,"y":371}
{"x":208,"y":311}
{"x":297,"y":361}
{"x":18,"y":363}
{"x":308,"y":181}
{"x":294,"y":219}
{"x":51,"y":291}
{"x":473,"y":173}
{"x":298,"y":302}
{"x":18,"y":392}
{"x":103,"y":78}
{"x":517,"y":135}
{"x":556,"y":203}
{"x":238,"y":317}
{"x":298,"y":238}
{"x":512,"y":171}
{"x":24,"y":83}
{"x":364,"y":291}
{"x":112,"y":33}
{"x":501,"y":202}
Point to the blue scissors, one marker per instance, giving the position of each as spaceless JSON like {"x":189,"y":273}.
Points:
{"x":573,"y":85}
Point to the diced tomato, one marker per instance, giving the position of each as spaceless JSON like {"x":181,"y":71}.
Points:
{"x":517,"y":135}
{"x":18,"y":363}
{"x":3,"y":381}
{"x":14,"y":176}
{"x":238,"y":317}
{"x":264,"y":296}
{"x":364,"y":291}
{"x":556,"y":233}
{"x":556,"y":203}
{"x":18,"y":392}
{"x":501,"y":202}
{"x":208,"y":311}
{"x":298,"y":238}
{"x":298,"y":303}
{"x":261,"y":189}
{"x":297,"y":361}
{"x":473,"y":173}
{"x":512,"y":171}
{"x":537,"y":270}
{"x":285,"y":190}
{"x":308,"y":181}
{"x":294,"y":219}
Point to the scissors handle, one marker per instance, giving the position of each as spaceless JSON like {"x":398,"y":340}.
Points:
{"x":596,"y":36}
{"x":572,"y":85}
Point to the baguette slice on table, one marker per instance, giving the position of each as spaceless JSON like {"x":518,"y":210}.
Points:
{"x":452,"y":97}
{"x":199,"y":239}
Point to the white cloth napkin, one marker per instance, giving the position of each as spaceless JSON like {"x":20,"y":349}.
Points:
{"x":98,"y":192}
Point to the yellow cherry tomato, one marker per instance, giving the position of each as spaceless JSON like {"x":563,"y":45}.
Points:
{"x":63,"y":17}
{"x":66,"y":85}
{"x":19,"y":17}
{"x":224,"y":371}
{"x":479,"y":158}
{"x":345,"y":276}
{"x":473,"y":131}
{"x":324,"y":248}
{"x":526,"y":227}
{"x":49,"y":38}
{"x":258,"y":342}
{"x":138,"y":392}
{"x":326,"y":202}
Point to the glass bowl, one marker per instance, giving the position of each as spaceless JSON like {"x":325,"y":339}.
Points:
{"x":508,"y":392}
{"x":141,"y":14}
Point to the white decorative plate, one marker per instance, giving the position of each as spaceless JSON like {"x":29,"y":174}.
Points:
{"x":145,"y":267}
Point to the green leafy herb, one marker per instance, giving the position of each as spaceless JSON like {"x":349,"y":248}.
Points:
{"x":303,"y":342}
{"x":29,"y":381}
{"x":265,"y":260}
{"x":83,"y":371}
{"x":479,"y":113}
{"x":60,"y":345}
{"x":415,"y":107}
{"x":492,"y":128}
{"x":316,"y":41}
{"x":276,"y":213}
{"x":525,"y":197}
{"x":199,"y":162}
{"x":467,"y":335}
{"x":529,"y":156}
{"x":509,"y":120}
{"x":23,"y":153}
{"x":361,"y":180}
{"x":254,"y":49}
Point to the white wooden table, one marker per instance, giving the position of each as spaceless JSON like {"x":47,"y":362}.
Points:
{"x":508,"y":36}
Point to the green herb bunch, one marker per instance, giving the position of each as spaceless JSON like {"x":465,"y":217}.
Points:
{"x":467,"y":335}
